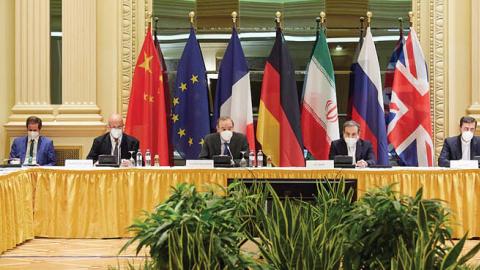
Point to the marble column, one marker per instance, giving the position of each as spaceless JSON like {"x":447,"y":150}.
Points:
{"x":32,"y":60}
{"x":474,"y":108}
{"x":79,"y":82}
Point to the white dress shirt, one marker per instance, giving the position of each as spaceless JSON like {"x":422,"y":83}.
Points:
{"x":113,"y":145}
{"x":351,"y":152}
{"x":27,"y":153}
{"x":222,"y":145}
{"x":465,"y":149}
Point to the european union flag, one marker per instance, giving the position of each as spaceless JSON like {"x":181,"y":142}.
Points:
{"x":190,"y":115}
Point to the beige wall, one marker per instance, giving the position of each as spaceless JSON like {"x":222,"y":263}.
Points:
{"x":448,"y":32}
{"x":7,"y":69}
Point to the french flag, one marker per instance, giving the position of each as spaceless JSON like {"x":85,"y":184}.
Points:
{"x":233,"y":96}
{"x":367,"y":99}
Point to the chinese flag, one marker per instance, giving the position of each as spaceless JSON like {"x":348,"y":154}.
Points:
{"x":147,"y":115}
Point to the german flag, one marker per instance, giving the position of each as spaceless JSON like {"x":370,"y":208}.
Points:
{"x":278,"y":126}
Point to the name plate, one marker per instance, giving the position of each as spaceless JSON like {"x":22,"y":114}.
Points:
{"x":199,"y":163}
{"x":79,"y":163}
{"x":319,"y":164}
{"x":464,"y":164}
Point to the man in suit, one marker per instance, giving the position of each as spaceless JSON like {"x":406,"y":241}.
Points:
{"x":114,"y":142}
{"x":33,"y":149}
{"x":464,"y":146}
{"x":350,"y":144}
{"x":223,"y":141}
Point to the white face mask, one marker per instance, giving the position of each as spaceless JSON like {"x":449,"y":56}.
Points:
{"x":116,"y":132}
{"x":33,"y":135}
{"x":226,"y":135}
{"x":467,"y":136}
{"x":351,"y":141}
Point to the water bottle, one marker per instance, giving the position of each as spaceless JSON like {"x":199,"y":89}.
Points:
{"x":157,"y":161}
{"x":259,"y":158}
{"x":251,"y":159}
{"x":148,"y":158}
{"x":139,"y":158}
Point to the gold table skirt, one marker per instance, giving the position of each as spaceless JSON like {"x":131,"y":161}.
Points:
{"x":65,"y":203}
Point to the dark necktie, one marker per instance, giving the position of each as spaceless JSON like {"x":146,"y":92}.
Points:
{"x":225,"y":149}
{"x":115,"y":150}
{"x":32,"y":145}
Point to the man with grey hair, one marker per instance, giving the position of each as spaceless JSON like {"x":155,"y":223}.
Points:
{"x":350,"y":144}
{"x":114,"y":142}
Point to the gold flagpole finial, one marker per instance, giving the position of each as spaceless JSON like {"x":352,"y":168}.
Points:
{"x":322,"y":17}
{"x":410,"y":16}
{"x":278,"y":14}
{"x":369,"y":18}
{"x":234,"y":18}
{"x":148,"y":19}
{"x":191,"y":15}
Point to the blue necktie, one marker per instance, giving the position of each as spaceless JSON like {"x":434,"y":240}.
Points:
{"x":225,"y":149}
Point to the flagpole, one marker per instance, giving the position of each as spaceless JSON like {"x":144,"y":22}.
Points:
{"x":191,"y":15}
{"x":323,"y":19}
{"x":155,"y":26}
{"x":234,"y":19}
{"x":410,"y":16}
{"x":278,"y":14}
{"x":369,"y":18}
{"x":149,"y":21}
{"x":317,"y":19}
{"x":362,"y":28}
{"x":400,"y":28}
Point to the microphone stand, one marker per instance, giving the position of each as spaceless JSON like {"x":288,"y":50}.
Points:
{"x":232,"y":162}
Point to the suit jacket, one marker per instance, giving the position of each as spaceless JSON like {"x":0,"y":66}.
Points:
{"x":102,"y":145}
{"x":452,"y":150}
{"x":364,"y":150}
{"x":45,"y":150}
{"x":212,"y":145}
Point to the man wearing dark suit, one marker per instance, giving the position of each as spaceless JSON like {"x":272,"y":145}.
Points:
{"x":33,"y":149}
{"x":114,"y":142}
{"x":351,"y":145}
{"x":223,"y":141}
{"x":464,"y":146}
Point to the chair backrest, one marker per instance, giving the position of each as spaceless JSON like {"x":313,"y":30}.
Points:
{"x":67,"y":152}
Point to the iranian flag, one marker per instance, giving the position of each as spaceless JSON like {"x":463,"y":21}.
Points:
{"x":319,"y":118}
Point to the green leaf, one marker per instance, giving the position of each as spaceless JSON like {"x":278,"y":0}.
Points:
{"x":452,"y":256}
{"x":470,"y":254}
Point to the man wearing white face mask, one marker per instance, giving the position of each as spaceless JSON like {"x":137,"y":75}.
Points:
{"x":352,"y":145}
{"x":464,"y":146}
{"x":224,"y":142}
{"x":114,"y":142}
{"x":33,"y":149}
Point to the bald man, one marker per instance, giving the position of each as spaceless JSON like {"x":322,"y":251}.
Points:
{"x":114,"y":142}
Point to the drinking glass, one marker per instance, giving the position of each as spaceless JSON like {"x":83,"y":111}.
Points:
{"x":132,"y":160}
{"x":243,"y":161}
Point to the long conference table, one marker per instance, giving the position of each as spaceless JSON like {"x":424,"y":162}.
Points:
{"x":59,"y":202}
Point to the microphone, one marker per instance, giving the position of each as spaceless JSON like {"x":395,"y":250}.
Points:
{"x":232,"y":162}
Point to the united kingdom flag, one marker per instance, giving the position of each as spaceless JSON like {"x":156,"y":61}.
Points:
{"x":410,"y":129}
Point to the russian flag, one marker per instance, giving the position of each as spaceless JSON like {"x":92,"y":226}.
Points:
{"x":367,"y":99}
{"x":233,"y":95}
{"x":278,"y":127}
